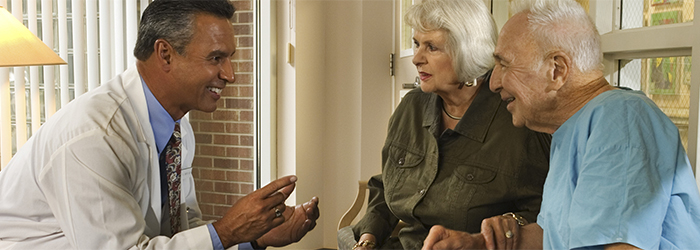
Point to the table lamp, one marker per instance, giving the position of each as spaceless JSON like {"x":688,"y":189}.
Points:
{"x":19,"y":47}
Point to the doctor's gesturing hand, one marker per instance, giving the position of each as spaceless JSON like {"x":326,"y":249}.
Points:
{"x":298,"y":221}
{"x":255,"y":214}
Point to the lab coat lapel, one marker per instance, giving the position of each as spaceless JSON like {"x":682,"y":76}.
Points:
{"x":134,"y":89}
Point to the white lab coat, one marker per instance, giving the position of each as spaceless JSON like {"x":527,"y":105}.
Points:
{"x":89,"y":179}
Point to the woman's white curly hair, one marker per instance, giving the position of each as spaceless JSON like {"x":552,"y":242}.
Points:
{"x":471,"y":32}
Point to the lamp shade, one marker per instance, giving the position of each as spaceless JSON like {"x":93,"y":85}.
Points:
{"x":19,"y":47}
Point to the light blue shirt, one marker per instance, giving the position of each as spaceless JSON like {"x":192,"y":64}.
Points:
{"x":163,"y":126}
{"x":162,"y":123}
{"x":619,"y":174}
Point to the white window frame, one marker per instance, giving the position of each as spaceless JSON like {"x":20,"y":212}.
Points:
{"x":647,"y":42}
{"x":266,"y":94}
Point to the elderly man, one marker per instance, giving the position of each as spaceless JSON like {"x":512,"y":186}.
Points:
{"x":113,"y":169}
{"x":619,"y":176}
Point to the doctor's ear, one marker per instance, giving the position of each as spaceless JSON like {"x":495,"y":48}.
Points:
{"x":163,"y":53}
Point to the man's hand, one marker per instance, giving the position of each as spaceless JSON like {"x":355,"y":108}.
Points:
{"x":254,"y":215}
{"x":298,"y":221}
{"x":496,"y":231}
{"x":443,"y":238}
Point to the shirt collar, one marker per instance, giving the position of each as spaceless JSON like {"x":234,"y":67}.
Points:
{"x":472,"y":125}
{"x":162,"y":123}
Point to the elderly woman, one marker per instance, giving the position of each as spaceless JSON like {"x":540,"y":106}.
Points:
{"x":452,"y":156}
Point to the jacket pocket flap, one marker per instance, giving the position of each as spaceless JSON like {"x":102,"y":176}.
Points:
{"x":404,"y":158}
{"x":474,"y":174}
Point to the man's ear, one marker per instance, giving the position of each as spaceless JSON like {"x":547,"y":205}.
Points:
{"x":162,"y":50}
{"x":559,"y":69}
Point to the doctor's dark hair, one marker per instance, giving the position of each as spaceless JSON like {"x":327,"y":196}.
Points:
{"x":173,"y":21}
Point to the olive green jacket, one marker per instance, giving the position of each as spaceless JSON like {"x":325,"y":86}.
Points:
{"x":456,"y":178}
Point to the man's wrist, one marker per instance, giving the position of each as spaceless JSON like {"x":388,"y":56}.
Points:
{"x":226,"y":239}
{"x":215,"y":240}
{"x":479,"y":241}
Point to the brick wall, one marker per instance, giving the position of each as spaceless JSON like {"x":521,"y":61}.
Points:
{"x":223,"y":165}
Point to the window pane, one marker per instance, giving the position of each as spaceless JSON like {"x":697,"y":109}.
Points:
{"x":406,"y":33}
{"x":666,"y":81}
{"x":636,"y":13}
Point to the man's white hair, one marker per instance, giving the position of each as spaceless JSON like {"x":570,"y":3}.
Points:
{"x":564,"y":25}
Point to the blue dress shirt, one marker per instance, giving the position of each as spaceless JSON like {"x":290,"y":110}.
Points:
{"x":163,"y":126}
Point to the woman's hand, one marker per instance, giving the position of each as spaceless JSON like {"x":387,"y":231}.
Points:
{"x":369,"y":238}
{"x":500,"y":232}
{"x":443,"y":238}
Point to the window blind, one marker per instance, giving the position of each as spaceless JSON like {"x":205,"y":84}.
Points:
{"x":95,"y":37}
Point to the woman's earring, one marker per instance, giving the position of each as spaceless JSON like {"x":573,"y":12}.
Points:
{"x":470,"y":84}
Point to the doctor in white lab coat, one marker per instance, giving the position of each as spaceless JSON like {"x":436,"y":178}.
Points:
{"x":90,"y":177}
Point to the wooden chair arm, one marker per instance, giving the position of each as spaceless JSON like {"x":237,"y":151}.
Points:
{"x":350,"y":215}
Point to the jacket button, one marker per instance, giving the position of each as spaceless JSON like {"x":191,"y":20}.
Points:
{"x":402,"y":161}
{"x":422,"y":192}
{"x":470,"y":177}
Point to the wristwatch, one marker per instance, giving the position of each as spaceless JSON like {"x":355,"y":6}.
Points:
{"x":364,"y":243}
{"x":521,"y":221}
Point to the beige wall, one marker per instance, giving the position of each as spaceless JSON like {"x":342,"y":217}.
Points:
{"x":334,"y":102}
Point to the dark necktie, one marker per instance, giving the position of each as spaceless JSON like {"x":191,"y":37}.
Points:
{"x":170,"y":162}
